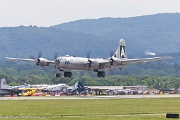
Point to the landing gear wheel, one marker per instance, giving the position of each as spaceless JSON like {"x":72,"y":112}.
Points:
{"x":101,"y":74}
{"x":67,"y":74}
{"x":58,"y":75}
{"x":70,"y":74}
{"x":98,"y":74}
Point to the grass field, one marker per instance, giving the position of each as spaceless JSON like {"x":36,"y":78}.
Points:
{"x":90,"y":109}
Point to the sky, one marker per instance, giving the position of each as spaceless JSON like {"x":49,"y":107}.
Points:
{"x":45,"y":13}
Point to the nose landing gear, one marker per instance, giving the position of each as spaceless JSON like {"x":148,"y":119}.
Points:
{"x":101,"y":74}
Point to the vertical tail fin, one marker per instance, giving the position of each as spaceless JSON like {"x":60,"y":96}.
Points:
{"x":121,"y":50}
{"x":4,"y":84}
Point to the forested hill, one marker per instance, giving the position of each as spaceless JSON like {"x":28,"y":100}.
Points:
{"x":157,"y":33}
{"x":25,"y":41}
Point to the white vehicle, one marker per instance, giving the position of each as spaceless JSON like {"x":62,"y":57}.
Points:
{"x":68,"y":63}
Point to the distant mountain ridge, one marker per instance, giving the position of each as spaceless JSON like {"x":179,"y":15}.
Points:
{"x":158,"y":33}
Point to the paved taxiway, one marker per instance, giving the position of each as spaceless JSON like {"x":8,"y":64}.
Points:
{"x":89,"y":97}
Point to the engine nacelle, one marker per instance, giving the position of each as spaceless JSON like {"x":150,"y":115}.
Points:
{"x":89,"y":62}
{"x":111,"y":61}
{"x":115,"y":61}
{"x":42,"y":62}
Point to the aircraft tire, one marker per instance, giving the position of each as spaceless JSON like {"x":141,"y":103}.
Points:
{"x":98,"y":74}
{"x":58,"y":75}
{"x":101,"y":74}
{"x":67,"y":74}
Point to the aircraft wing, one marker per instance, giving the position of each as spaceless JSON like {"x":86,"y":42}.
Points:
{"x":29,"y":60}
{"x":104,"y":64}
{"x":39,"y":61}
{"x":142,"y":60}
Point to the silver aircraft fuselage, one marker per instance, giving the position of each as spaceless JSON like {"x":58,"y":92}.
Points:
{"x":69,"y":63}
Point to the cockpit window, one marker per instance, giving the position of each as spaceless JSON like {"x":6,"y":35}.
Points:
{"x":67,"y":55}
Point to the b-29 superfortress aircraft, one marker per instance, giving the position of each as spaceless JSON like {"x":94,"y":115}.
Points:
{"x":100,"y":65}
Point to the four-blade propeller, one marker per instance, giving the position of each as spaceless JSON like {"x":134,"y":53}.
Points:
{"x":89,"y":62}
{"x":111,"y":60}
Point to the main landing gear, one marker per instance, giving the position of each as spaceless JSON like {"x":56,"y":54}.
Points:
{"x":101,"y":74}
{"x":69,"y":74}
{"x":66,"y":74}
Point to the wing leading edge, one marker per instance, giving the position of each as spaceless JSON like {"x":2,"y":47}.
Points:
{"x":40,"y":61}
{"x":21,"y":59}
{"x":142,"y":60}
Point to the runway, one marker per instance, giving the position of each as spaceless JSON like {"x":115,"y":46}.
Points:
{"x":90,"y":97}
